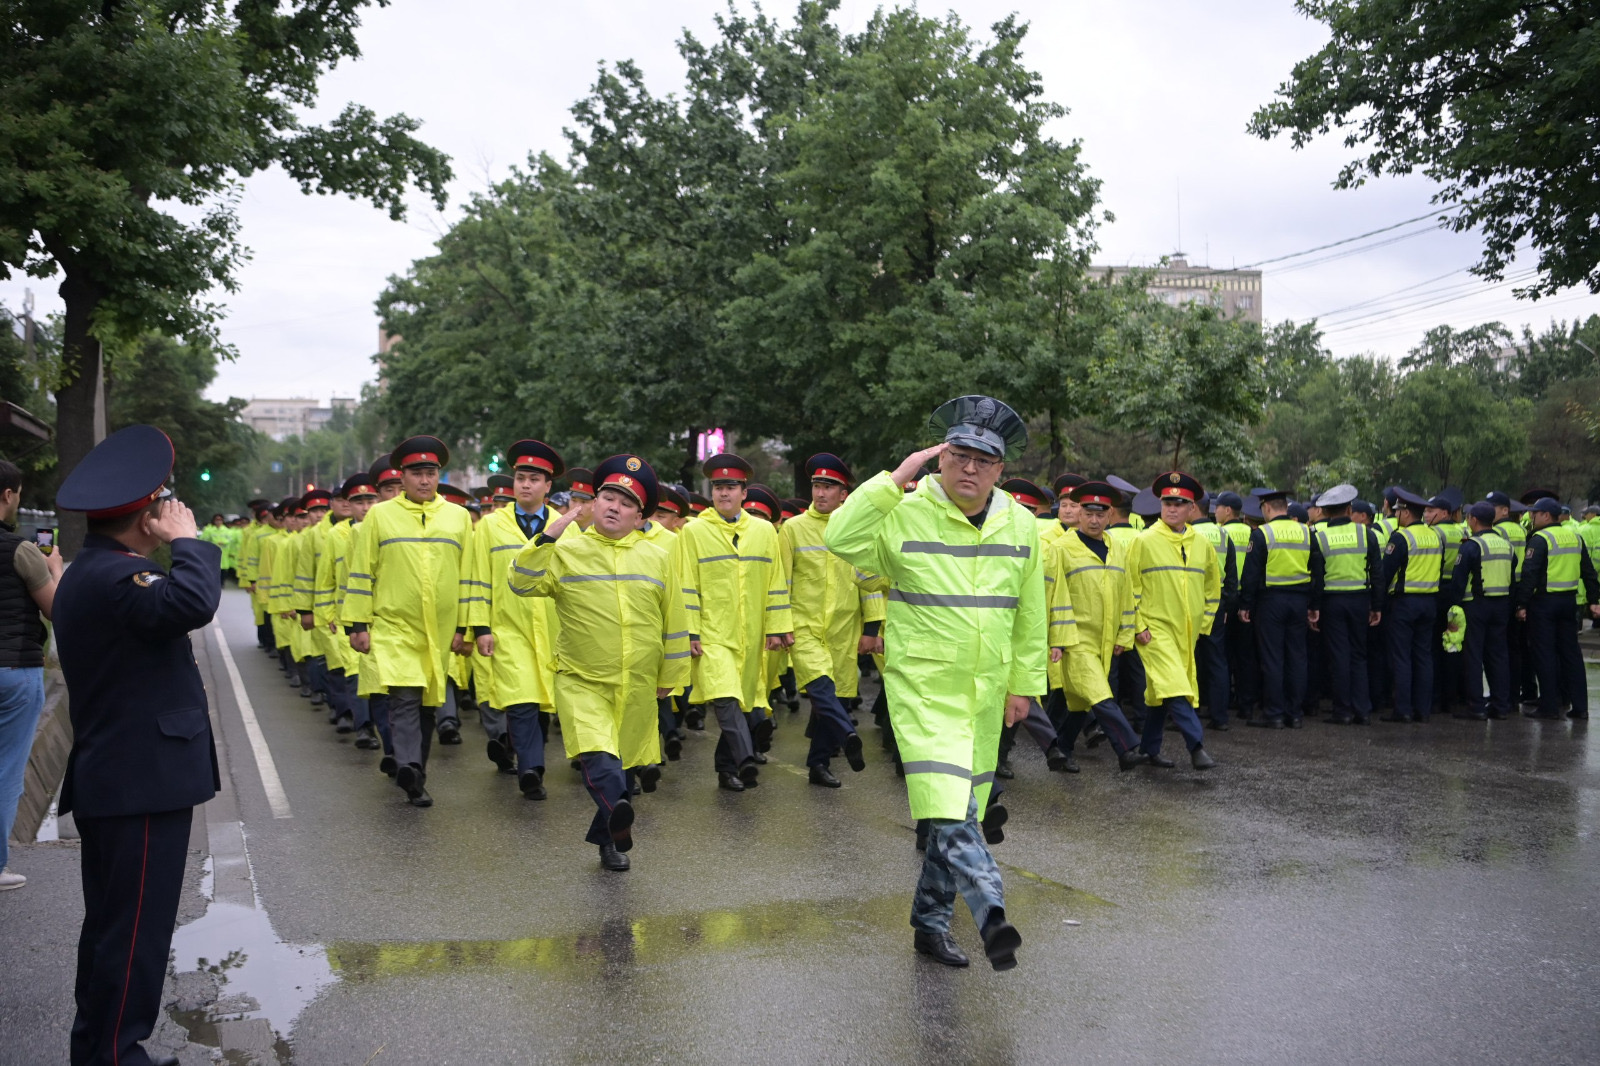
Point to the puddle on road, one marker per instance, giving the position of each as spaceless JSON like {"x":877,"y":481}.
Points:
{"x":260,"y":978}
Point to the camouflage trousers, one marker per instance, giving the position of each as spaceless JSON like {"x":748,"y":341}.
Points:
{"x":956,"y":860}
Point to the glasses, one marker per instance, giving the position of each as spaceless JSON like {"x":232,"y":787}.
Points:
{"x":973,"y":462}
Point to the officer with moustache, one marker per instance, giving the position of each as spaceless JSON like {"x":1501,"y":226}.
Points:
{"x":142,"y":753}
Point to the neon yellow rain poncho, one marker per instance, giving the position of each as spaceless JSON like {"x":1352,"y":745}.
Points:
{"x":622,"y":635}
{"x":966,"y":626}
{"x":333,"y":574}
{"x":309,"y":549}
{"x":736,"y":595}
{"x":830,"y":600}
{"x":406,"y":562}
{"x":523,"y":667}
{"x":1177,"y":585}
{"x":1098,"y":599}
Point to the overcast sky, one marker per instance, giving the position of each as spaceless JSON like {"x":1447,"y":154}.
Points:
{"x":1158,"y":91}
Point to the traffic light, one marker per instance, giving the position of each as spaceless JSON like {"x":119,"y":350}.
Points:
{"x":205,"y":474}
{"x":494,"y":464}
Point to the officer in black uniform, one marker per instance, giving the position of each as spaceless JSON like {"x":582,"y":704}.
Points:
{"x":1411,"y":576}
{"x":142,"y":754}
{"x":1346,"y":602}
{"x":1277,"y":602}
{"x":1485,"y":575}
{"x":1551,"y":613}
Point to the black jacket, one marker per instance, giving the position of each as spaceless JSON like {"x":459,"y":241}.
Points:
{"x":141,"y":731}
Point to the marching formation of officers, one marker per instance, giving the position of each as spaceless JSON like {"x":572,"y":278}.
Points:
{"x":396,"y":599}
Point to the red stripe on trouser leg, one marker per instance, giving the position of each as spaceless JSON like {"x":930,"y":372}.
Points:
{"x":133,"y":944}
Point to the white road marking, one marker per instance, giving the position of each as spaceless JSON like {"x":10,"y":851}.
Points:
{"x":276,"y":798}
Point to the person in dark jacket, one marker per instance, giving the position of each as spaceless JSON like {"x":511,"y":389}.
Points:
{"x":142,"y":753}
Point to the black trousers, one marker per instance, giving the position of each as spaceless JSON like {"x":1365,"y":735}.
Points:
{"x":132,"y":875}
{"x":1379,"y":676}
{"x":1553,"y":646}
{"x":1486,"y":652}
{"x":1411,"y":620}
{"x":1344,"y":637}
{"x":1211,"y":659}
{"x":1244,"y":666}
{"x":1280,"y":623}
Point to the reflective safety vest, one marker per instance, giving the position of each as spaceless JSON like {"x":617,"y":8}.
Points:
{"x":1238,"y":531}
{"x":1219,"y":540}
{"x":1451,"y":535}
{"x":1385,"y":527}
{"x":1344,"y":556}
{"x":1424,"y":553}
{"x":1495,"y":568}
{"x":1564,"y":562}
{"x":1515,"y":536}
{"x":1288,"y":553}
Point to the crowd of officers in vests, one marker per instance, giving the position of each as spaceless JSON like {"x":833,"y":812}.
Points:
{"x":396,"y":600}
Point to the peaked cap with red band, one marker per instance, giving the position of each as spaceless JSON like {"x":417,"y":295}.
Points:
{"x":1067,"y":481}
{"x":358,"y":485}
{"x":1175,"y":484}
{"x":826,"y":466}
{"x":725,"y":466}
{"x":630,"y":474}
{"x":316,"y":498}
{"x":1027,"y":493}
{"x":698,"y":503}
{"x":502,"y":487}
{"x":795,"y":506}
{"x":382,"y":472}
{"x":1096,"y":495}
{"x":125,"y":472}
{"x":535,"y":455}
{"x":454,"y":493}
{"x":672,"y":501}
{"x":420,"y":451}
{"x":582,"y":479}
{"x":760,"y":500}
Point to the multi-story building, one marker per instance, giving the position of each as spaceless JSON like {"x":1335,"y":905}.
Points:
{"x":1236,"y":292}
{"x":294,"y":416}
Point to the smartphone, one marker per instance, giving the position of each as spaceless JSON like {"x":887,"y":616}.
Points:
{"x":45,"y":539}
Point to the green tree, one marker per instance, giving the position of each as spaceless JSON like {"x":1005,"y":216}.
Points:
{"x":1446,"y":426}
{"x":126,"y":131}
{"x":1562,"y":353}
{"x":1495,"y":101}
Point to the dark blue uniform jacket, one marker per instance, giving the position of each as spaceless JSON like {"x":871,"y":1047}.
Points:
{"x":141,"y":732}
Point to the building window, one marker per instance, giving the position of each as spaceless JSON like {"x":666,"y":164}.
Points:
{"x":1245,"y":303}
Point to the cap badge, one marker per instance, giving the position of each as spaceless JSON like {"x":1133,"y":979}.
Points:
{"x":633,"y":463}
{"x":625,"y":480}
{"x":1174,"y":478}
{"x":984,"y":410}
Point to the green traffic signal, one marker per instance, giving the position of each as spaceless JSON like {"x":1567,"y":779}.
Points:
{"x":205,"y":475}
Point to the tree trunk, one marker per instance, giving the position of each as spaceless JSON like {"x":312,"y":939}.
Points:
{"x":80,"y":403}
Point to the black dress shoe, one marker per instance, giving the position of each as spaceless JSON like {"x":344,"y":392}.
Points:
{"x":1004,"y":771}
{"x":1057,"y":760}
{"x":305,"y":694}
{"x":695,"y":720}
{"x":410,"y":779}
{"x":1200,"y":760}
{"x":1159,"y":760}
{"x":761,"y":735}
{"x":731,"y":782}
{"x":1128,"y":760}
{"x":1220,"y":727}
{"x":1340,"y":719}
{"x":1296,"y":723}
{"x":449,"y":736}
{"x":620,"y":825}
{"x":344,"y":724}
{"x":499,"y":755}
{"x":760,"y":758}
{"x":366,"y":743}
{"x":821,"y":775}
{"x":994,"y":820}
{"x":1395,"y":718}
{"x":852,"y":753}
{"x":420,"y":798}
{"x":1001,"y":941}
{"x":674,"y":749}
{"x":388,"y":765}
{"x":1470,"y":716}
{"x":612,"y":859}
{"x":1095,"y":741}
{"x":649,"y":777}
{"x":750,"y":774}
{"x":1498,"y":716}
{"x":1267,"y":723}
{"x":318,"y":699}
{"x":531,"y":785}
{"x":940,"y":947}
{"x":1578,"y":716}
{"x":1361,"y":719}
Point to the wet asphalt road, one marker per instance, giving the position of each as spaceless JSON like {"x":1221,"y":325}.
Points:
{"x":1335,"y":894}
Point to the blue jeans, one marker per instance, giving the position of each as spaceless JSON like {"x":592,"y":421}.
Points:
{"x":21,"y":701}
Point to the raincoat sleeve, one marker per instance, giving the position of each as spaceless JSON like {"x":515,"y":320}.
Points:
{"x":1030,"y":628}
{"x":780,"y":617}
{"x":1127,"y":611}
{"x":534,"y":571}
{"x":303,"y":573}
{"x":1136,"y":585}
{"x":871,"y":588}
{"x":675,"y":662}
{"x":687,"y":569}
{"x":478,"y":588}
{"x":363,"y":561}
{"x":326,"y":582}
{"x":1063,"y":622}
{"x":1213,"y":591}
{"x":853,"y":530}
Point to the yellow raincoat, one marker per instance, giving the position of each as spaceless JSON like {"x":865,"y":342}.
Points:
{"x":1177,"y":585}
{"x":736,"y":595}
{"x":622,"y":636}
{"x":1098,"y":598}
{"x":523,"y":667}
{"x":966,"y":625}
{"x":276,"y":585}
{"x":309,"y":548}
{"x":333,"y":572}
{"x":406,"y":563}
{"x":831,"y":600}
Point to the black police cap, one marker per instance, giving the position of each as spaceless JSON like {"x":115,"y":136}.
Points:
{"x":123,"y":473}
{"x":829,"y":467}
{"x":535,"y":455}
{"x":725,"y":466}
{"x":632,"y":475}
{"x":760,"y":500}
{"x":420,"y":451}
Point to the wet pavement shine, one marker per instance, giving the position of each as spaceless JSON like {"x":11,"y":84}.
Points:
{"x":1393,"y":893}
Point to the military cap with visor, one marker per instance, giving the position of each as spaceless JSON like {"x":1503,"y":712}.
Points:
{"x":825,"y":466}
{"x":1027,"y":493}
{"x":762,"y":501}
{"x":1095,"y":496}
{"x":1175,"y":484}
{"x":725,"y":466}
{"x":794,"y":506}
{"x":122,"y":474}
{"x":357,"y":486}
{"x":1066,"y":482}
{"x":383,"y":472}
{"x":582,"y":481}
{"x":671,"y":501}
{"x":697,"y":502}
{"x":981,"y":423}
{"x":631,"y":475}
{"x":502,"y":487}
{"x":420,"y":451}
{"x":454,"y":493}
{"x":1338,"y":496}
{"x":316,"y":498}
{"x":535,"y":455}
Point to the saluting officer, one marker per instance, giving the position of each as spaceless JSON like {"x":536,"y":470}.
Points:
{"x":1346,"y":602}
{"x":142,"y":753}
{"x":1555,"y":569}
{"x":1411,"y":577}
{"x":1276,"y":597}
